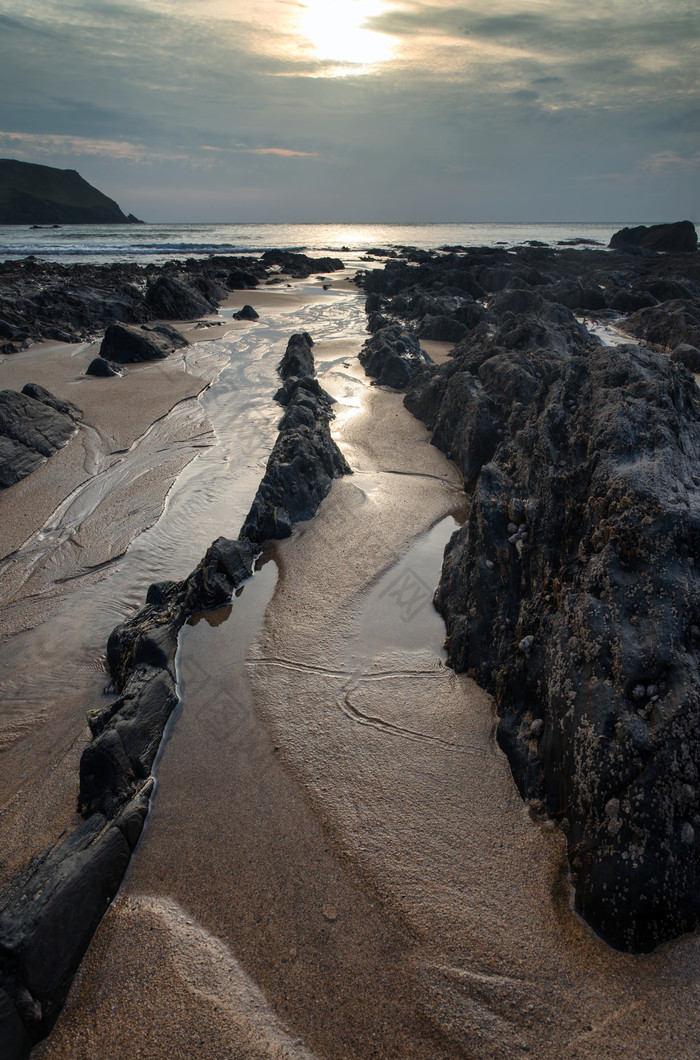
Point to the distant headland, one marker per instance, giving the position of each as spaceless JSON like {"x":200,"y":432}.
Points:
{"x":42,"y":195}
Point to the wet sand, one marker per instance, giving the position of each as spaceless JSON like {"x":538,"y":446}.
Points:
{"x":397,"y":754}
{"x":66,"y":528}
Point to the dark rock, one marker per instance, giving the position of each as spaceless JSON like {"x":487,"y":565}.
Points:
{"x":40,"y":393}
{"x":626,"y":301}
{"x":299,"y":265}
{"x":592,"y":596}
{"x":172,"y":339}
{"x":574,"y":295}
{"x":163,"y":594}
{"x":124,"y":344}
{"x":246,"y":313}
{"x":496,"y":278}
{"x":687,"y":355}
{"x":302,"y":464}
{"x":294,"y":388}
{"x":443,"y":328}
{"x":15,"y":1040}
{"x":126,"y":739}
{"x":240,"y":280}
{"x":299,"y":474}
{"x":677,"y":238}
{"x":664,"y":289}
{"x":298,"y":359}
{"x":98,"y":366}
{"x":49,"y":913}
{"x":581,"y":460}
{"x":517,"y":300}
{"x":8,"y":331}
{"x":149,"y":636}
{"x":393,"y":356}
{"x":669,"y":324}
{"x":30,"y":432}
{"x":224,"y":568}
{"x":176,"y":298}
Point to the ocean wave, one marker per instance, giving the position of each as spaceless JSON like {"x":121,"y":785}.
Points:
{"x":21,"y":250}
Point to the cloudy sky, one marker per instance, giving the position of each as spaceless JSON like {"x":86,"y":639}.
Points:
{"x":362,"y":110}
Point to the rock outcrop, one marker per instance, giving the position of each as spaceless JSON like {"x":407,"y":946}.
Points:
{"x":123,"y":344}
{"x":393,"y":356}
{"x":71,"y":303}
{"x":104,"y":369}
{"x":304,"y":460}
{"x":33,"y":426}
{"x":299,"y":266}
{"x":677,"y":238}
{"x":298,"y":359}
{"x":246,"y":313}
{"x":571,"y":592}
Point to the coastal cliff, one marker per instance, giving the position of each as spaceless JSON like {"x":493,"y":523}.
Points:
{"x":43,"y":195}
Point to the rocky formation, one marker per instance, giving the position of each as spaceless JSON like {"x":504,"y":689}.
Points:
{"x":48,"y":915}
{"x":42,"y":195}
{"x":141,"y":658}
{"x":677,"y":238}
{"x":571,"y":591}
{"x":71,"y":303}
{"x":671,"y":323}
{"x":50,"y":911}
{"x":304,"y":460}
{"x":33,"y":426}
{"x":687,"y":355}
{"x":246,"y":313}
{"x":392,"y":356}
{"x":123,"y":344}
{"x":571,"y":594}
{"x":299,"y":266}
{"x":298,"y":359}
{"x":241,"y":280}
{"x":104,"y":369}
{"x":174,"y":297}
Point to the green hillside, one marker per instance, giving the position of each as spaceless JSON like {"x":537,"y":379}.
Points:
{"x":32,"y":194}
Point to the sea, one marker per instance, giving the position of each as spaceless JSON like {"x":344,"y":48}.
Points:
{"x":157,"y":243}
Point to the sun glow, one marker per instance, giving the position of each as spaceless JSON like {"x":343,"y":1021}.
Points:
{"x":337,"y":31}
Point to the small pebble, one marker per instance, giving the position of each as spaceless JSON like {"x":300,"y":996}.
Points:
{"x":526,"y":643}
{"x":639,"y":692}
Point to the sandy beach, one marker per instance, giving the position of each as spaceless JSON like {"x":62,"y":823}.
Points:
{"x":65,"y":529}
{"x":337,"y":862}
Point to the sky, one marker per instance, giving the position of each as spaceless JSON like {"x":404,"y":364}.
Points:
{"x":362,"y":110}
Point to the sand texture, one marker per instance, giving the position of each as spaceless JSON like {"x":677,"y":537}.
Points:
{"x":64,"y":528}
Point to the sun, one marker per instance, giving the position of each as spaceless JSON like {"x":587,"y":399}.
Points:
{"x":337,"y":31}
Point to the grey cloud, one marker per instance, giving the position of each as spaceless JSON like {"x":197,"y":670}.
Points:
{"x":508,"y":136}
